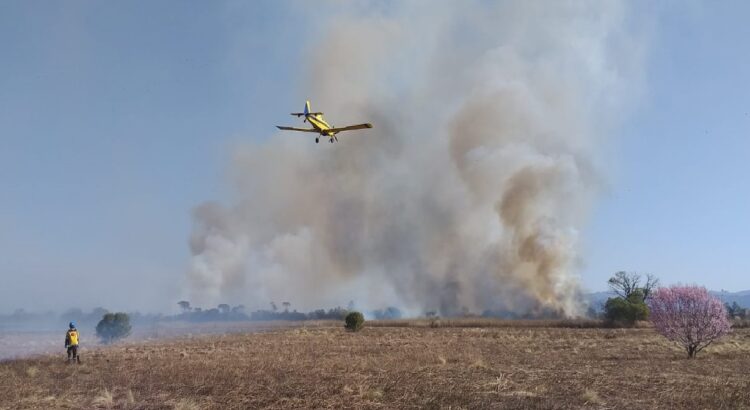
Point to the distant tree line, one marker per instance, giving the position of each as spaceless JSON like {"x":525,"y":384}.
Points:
{"x":735,"y":311}
{"x":226,"y":312}
{"x":21,"y":319}
{"x":222,"y":312}
{"x":320,"y":314}
{"x":389,"y":313}
{"x":544,"y":313}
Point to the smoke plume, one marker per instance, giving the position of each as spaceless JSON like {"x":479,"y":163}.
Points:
{"x":470,"y":191}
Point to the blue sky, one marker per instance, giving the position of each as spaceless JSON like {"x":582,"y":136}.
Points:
{"x":116,"y":119}
{"x":679,"y":197}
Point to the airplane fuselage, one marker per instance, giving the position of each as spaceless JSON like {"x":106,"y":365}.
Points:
{"x":317,"y":121}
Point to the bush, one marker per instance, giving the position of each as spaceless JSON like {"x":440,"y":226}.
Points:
{"x":113,"y":326}
{"x":354,"y":321}
{"x":626,"y":311}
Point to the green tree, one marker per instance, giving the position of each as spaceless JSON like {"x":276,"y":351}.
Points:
{"x":626,"y":310}
{"x":354,"y":321}
{"x":624,"y":284}
{"x":184,"y":305}
{"x":113,"y":326}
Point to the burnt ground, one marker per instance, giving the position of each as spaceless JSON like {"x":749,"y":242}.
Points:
{"x":324,"y":366}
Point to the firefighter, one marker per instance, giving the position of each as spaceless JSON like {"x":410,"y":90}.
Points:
{"x":71,"y":343}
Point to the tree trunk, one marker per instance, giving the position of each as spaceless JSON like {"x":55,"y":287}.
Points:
{"x":691,"y":351}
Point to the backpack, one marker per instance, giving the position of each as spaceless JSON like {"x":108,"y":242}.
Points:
{"x":73,"y":337}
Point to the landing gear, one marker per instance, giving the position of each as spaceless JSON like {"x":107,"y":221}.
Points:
{"x":317,"y":140}
{"x":330,"y":140}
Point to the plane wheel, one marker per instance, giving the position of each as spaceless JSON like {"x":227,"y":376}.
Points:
{"x":317,"y":140}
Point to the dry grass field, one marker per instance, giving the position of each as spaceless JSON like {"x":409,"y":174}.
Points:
{"x":418,"y":366}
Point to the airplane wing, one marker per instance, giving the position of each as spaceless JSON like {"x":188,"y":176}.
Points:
{"x":297,"y":129}
{"x":350,"y":128}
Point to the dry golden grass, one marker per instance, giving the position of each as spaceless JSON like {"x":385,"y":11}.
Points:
{"x":323,"y":366}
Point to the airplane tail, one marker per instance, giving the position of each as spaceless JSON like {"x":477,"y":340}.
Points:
{"x":306,"y":110}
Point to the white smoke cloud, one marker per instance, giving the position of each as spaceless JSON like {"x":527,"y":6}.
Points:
{"x":472,"y":187}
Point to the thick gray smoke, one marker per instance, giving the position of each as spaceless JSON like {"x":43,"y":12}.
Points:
{"x":469,"y":192}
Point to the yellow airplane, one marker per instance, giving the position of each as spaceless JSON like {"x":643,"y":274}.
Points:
{"x":320,"y":126}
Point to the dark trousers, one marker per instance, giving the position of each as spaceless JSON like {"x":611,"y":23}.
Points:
{"x":72,"y":352}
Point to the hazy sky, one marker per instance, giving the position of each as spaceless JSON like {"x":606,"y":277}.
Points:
{"x":116,"y":119}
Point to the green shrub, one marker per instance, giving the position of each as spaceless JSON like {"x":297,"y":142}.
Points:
{"x":626,"y":311}
{"x":113,"y":326}
{"x":354,"y":321}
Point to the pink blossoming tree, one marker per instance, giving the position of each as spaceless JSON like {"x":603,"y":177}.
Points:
{"x":688,"y":315}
